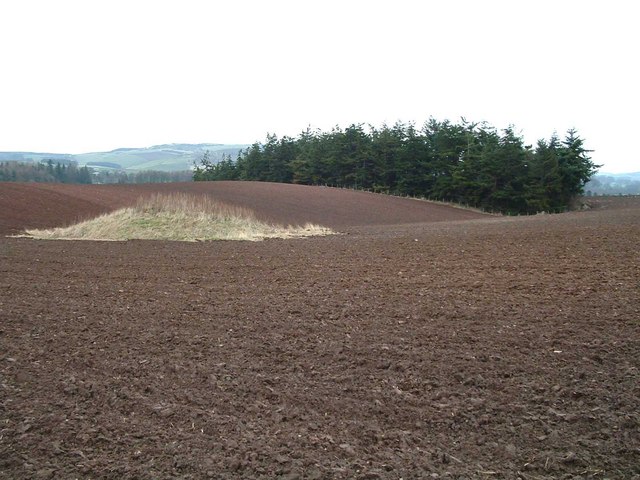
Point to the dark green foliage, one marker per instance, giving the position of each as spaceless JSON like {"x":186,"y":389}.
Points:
{"x":466,"y":162}
{"x":225,"y":169}
{"x":45,"y":171}
{"x":574,"y":171}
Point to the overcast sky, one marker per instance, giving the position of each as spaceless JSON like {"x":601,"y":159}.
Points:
{"x":94,"y":75}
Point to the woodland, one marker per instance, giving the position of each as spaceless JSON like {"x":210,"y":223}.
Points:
{"x":468,"y":163}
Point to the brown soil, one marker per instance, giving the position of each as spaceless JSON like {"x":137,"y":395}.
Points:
{"x":44,"y":205}
{"x":485,"y":348}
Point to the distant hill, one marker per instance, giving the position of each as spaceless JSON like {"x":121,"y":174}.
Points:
{"x":34,"y":157}
{"x":614,"y":184}
{"x":167,"y":158}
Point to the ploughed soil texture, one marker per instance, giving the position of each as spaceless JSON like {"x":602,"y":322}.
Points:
{"x":422,"y":342}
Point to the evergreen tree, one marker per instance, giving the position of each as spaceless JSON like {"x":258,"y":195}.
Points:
{"x":474,"y":179}
{"x":544,"y":186}
{"x":465,"y":162}
{"x":447,"y":144}
{"x":385,"y":148}
{"x":203,"y":169}
{"x":575,"y":166}
{"x":509,"y":174}
{"x":304,"y":165}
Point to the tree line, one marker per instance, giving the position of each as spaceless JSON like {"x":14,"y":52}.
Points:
{"x":69,"y":172}
{"x":45,"y":171}
{"x":464,"y":162}
{"x":142,"y":176}
{"x":613,"y":185}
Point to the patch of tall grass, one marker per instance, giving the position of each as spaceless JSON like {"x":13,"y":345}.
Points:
{"x":178,"y":217}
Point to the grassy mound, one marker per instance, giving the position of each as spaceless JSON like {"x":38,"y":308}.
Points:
{"x":177,"y":217}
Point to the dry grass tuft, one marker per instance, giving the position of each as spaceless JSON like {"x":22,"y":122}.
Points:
{"x":196,"y":204}
{"x":178,"y":217}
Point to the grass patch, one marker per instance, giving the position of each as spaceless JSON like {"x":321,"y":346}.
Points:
{"x":178,"y":217}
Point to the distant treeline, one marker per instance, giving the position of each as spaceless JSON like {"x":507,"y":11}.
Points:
{"x":48,"y":171}
{"x":143,"y":176}
{"x":613,"y":185}
{"x":468,"y":163}
{"x":69,"y":172}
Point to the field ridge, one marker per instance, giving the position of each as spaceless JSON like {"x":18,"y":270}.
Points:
{"x":56,"y":205}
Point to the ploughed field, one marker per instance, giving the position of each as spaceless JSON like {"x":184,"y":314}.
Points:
{"x":422,"y":342}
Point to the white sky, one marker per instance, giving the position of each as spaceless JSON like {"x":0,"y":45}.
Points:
{"x":92,"y":75}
